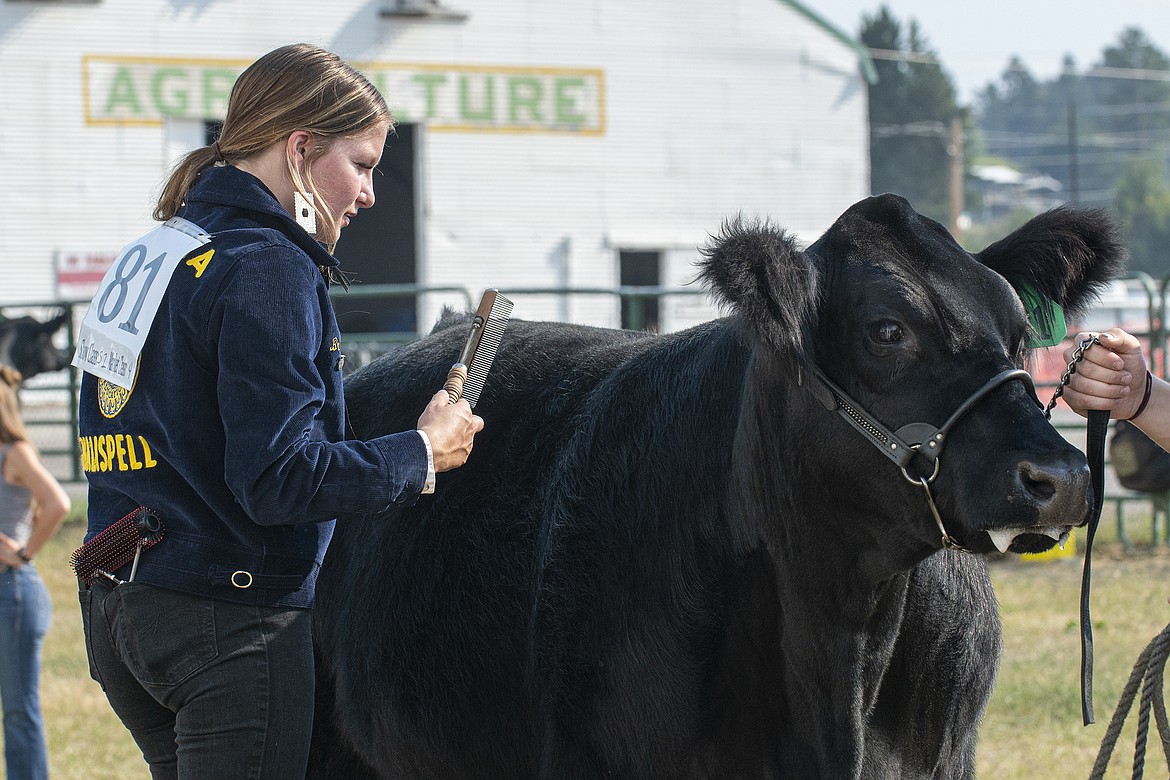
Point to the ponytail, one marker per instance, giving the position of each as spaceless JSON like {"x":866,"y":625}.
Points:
{"x":183,"y":178}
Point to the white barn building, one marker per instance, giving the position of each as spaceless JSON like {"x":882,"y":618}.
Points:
{"x":569,"y":144}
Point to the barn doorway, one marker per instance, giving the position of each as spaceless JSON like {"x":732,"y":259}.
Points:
{"x":380,"y":245}
{"x":640,"y":269}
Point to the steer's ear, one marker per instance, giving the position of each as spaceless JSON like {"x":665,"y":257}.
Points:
{"x":758,"y":271}
{"x":1067,"y":254}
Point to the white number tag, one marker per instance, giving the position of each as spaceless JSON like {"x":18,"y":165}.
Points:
{"x":114,"y":329}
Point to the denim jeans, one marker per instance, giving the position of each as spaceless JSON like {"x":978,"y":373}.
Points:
{"x":209,"y":689}
{"x":25,"y":612}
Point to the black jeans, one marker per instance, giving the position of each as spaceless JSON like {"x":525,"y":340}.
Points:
{"x":209,"y":689}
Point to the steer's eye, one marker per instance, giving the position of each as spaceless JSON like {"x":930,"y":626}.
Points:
{"x":886,"y":332}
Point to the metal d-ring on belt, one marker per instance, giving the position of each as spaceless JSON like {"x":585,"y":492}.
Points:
{"x":243,"y":579}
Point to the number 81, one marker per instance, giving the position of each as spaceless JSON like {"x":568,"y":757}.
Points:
{"x":121,"y":282}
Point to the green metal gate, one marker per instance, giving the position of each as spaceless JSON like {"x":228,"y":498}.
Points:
{"x":50,"y":408}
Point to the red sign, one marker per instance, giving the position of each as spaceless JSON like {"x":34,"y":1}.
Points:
{"x":77,"y":274}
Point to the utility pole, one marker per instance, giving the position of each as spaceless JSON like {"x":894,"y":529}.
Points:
{"x":955,"y":177}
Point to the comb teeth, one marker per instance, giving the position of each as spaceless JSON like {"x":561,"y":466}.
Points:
{"x":485,"y":352}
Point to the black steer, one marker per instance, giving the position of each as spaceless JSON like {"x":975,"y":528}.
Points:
{"x":670,"y":557}
{"x":1140,"y":463}
{"x":26,"y":344}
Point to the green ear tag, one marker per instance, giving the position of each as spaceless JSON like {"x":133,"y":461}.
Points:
{"x":1046,"y":316}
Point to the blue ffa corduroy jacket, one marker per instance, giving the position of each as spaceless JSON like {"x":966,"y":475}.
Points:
{"x":233,"y":430}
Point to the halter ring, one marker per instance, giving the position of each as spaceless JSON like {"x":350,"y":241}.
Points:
{"x":921,"y":480}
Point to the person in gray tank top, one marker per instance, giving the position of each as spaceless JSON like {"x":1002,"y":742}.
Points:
{"x":32,"y":506}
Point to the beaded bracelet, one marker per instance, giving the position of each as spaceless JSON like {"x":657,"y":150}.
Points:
{"x":1146,"y":397}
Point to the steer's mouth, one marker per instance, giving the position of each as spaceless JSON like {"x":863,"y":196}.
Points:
{"x":1049,"y":495}
{"x":1029,"y":540}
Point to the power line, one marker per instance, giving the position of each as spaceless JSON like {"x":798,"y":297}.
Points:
{"x":929,"y":128}
{"x":1139,"y":74}
{"x":922,"y":58}
{"x":1121,"y":109}
{"x":1132,"y":139}
{"x":1100,"y":72}
{"x":1061,"y":158}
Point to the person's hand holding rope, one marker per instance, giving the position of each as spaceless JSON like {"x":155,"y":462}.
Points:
{"x":1117,"y":380}
{"x":1113,"y":376}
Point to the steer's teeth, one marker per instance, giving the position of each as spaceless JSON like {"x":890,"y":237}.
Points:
{"x":1003,"y":537}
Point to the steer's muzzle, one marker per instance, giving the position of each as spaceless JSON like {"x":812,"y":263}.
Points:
{"x":1054,"y":492}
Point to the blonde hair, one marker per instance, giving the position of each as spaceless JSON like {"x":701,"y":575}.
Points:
{"x":11,"y":425}
{"x":295,"y":87}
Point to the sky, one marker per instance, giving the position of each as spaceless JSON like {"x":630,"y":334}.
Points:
{"x":975,"y":40}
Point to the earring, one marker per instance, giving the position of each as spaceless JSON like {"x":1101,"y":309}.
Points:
{"x":305,"y":216}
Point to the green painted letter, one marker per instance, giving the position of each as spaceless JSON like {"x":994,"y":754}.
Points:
{"x":524,"y":92}
{"x":123,"y":93}
{"x":485,"y":114}
{"x":217,"y":86}
{"x":566,"y":103}
{"x":430,"y":81}
{"x":170,"y":102}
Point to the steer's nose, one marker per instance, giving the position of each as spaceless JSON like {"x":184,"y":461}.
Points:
{"x":1059,"y":486}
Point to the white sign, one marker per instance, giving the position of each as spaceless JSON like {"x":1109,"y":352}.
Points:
{"x":447,"y":97}
{"x":115,"y":327}
{"x":77,"y":274}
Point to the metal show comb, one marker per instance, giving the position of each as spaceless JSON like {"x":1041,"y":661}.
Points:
{"x":466,"y":378}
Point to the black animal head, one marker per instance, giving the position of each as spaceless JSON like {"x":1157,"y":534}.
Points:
{"x":910,"y":325}
{"x":26,"y":344}
{"x":760,"y":272}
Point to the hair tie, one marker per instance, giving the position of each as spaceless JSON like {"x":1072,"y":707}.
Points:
{"x":1145,"y":398}
{"x":218,"y":154}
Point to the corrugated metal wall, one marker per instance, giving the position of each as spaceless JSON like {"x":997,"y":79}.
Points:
{"x":686,"y":112}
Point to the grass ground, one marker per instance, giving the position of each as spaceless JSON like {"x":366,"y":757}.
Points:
{"x":86,"y":740}
{"x":1033,"y":725}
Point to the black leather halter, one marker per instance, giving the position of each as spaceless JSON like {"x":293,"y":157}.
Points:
{"x":926,"y":441}
{"x":913,"y":440}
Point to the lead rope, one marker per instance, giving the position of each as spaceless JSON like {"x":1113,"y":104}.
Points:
{"x":1149,"y":670}
{"x":1098,"y":425}
{"x":1148,"y":673}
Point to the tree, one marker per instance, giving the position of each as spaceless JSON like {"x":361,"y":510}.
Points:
{"x":1027,"y":122}
{"x":1141,"y":202}
{"x":1081,"y":129}
{"x":1020,"y":104}
{"x":910,"y":109}
{"x":1124,"y":104}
